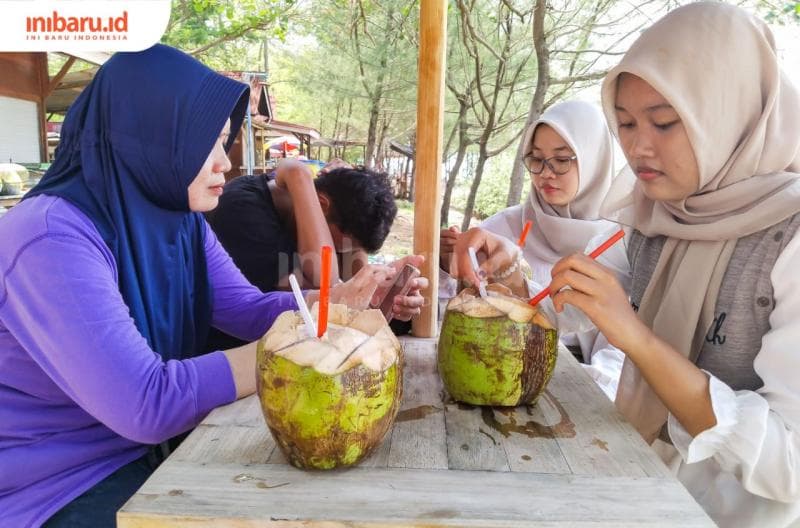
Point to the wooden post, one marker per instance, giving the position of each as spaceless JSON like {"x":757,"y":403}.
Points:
{"x":429,"y":144}
{"x":41,"y":105}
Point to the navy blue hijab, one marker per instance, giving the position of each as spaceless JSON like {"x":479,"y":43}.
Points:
{"x":130,"y":146}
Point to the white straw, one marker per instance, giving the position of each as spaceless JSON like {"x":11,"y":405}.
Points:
{"x":311,"y":328}
{"x":474,"y":258}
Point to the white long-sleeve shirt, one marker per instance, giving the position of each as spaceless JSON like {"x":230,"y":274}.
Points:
{"x":745,"y":471}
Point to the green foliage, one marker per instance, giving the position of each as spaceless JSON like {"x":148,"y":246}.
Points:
{"x":347,"y":63}
{"x":491,"y":197}
{"x":223,"y":33}
{"x":781,"y":13}
{"x":340,"y":65}
{"x":493,"y":191}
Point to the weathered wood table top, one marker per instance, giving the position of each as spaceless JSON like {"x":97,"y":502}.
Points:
{"x":570,"y":460}
{"x":10,"y":200}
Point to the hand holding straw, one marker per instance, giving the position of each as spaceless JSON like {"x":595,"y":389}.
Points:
{"x":593,"y":255}
{"x":301,"y":304}
{"x":324,"y":291}
{"x":476,"y":268}
{"x":524,"y":235}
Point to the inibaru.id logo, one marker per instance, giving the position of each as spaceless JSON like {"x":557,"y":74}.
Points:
{"x":58,"y":27}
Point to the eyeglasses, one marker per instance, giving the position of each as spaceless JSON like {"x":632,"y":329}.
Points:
{"x":558,"y":164}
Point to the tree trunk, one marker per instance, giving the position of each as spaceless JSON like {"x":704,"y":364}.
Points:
{"x":335,"y":132}
{"x":380,"y":156}
{"x":518,"y":173}
{"x":341,"y":154}
{"x":404,"y":181}
{"x":452,"y":176}
{"x":376,"y":97}
{"x":372,"y":131}
{"x":473,"y":191}
{"x":451,"y":183}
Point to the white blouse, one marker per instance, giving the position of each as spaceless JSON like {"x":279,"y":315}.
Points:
{"x":745,"y":471}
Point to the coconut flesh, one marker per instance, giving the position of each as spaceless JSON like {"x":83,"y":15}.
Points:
{"x":497,"y":350}
{"x":329,"y":402}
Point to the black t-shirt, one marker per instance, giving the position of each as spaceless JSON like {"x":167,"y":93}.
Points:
{"x":261,"y":245}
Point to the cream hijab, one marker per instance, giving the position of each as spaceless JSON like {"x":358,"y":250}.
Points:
{"x":560,"y":231}
{"x":717,"y":66}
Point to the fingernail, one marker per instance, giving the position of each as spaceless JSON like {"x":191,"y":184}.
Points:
{"x":482,"y":274}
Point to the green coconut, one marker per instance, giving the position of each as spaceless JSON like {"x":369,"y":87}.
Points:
{"x":12,"y":177}
{"x":497,"y":350}
{"x":329,"y":402}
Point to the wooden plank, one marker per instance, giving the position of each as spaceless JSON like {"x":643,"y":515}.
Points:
{"x":270,"y":495}
{"x":528,"y":436}
{"x":10,"y":200}
{"x":232,"y":433}
{"x":277,"y":457}
{"x":604,"y":444}
{"x":380,"y":457}
{"x":418,"y":435}
{"x":232,"y":443}
{"x":429,"y":145}
{"x":246,"y":411}
{"x":56,"y":80}
{"x":470,"y":444}
{"x":22,"y":75}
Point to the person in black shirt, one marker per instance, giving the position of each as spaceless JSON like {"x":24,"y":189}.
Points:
{"x":274,"y":227}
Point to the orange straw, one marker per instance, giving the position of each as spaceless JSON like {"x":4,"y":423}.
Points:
{"x":593,"y":255}
{"x":524,"y":235}
{"x":324,"y":291}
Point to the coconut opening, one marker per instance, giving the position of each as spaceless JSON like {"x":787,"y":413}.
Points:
{"x":500,"y":302}
{"x":353,"y":338}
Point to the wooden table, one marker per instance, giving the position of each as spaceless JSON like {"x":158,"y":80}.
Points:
{"x":10,"y":200}
{"x":571,"y":460}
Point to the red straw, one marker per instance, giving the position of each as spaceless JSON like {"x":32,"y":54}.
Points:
{"x":593,"y":255}
{"x":324,"y":291}
{"x":524,"y":235}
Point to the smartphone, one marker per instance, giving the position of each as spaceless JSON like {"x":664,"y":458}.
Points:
{"x":401,"y":285}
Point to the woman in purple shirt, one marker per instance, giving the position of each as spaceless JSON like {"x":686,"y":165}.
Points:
{"x":109,"y":282}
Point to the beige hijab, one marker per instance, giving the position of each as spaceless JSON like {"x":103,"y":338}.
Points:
{"x":717,"y":66}
{"x":561,"y":230}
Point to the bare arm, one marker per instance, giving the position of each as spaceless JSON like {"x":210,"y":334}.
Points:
{"x":242,"y":361}
{"x":311,"y":225}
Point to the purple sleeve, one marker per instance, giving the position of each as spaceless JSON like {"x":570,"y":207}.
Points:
{"x":239,"y":308}
{"x":64,"y":307}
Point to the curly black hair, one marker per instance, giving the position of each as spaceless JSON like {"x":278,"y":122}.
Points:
{"x":362,"y":204}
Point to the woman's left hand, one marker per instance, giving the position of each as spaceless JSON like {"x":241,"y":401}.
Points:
{"x":595,"y":291}
{"x":407,"y":306}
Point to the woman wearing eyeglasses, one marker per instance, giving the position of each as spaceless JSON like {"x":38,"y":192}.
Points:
{"x":570,"y":159}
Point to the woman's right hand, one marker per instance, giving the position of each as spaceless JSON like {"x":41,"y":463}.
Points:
{"x":498,"y":254}
{"x":358,"y":291}
{"x":595,"y":290}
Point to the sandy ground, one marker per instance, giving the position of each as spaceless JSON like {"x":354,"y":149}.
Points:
{"x":400,"y":239}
